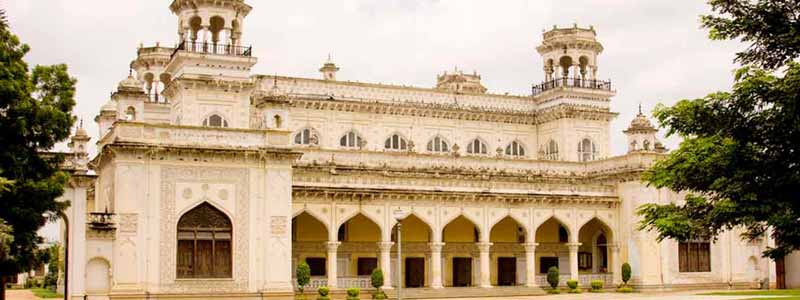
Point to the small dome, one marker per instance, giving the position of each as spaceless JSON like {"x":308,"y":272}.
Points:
{"x":130,"y":84}
{"x":111,"y":105}
{"x":81,"y":132}
{"x":640,"y":124}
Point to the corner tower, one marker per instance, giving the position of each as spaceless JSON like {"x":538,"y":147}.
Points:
{"x":573,"y":105}
{"x":210,"y":68}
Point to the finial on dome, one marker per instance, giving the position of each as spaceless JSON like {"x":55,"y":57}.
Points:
{"x":640,"y":107}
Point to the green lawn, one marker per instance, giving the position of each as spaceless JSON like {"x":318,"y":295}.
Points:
{"x":46,"y":293}
{"x":786,"y":294}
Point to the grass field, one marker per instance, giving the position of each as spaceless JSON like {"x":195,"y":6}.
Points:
{"x":46,"y":293}
{"x":773,"y":294}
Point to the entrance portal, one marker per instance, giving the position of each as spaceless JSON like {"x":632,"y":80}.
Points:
{"x":415,"y":272}
{"x":506,"y":271}
{"x":462,"y":271}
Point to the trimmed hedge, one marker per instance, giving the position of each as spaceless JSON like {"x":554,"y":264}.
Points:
{"x":323,"y":293}
{"x":597,"y":285}
{"x":352,"y":293}
{"x":573,"y":286}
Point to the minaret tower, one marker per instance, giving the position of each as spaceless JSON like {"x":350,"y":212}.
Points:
{"x":329,"y":70}
{"x":210,"y":69}
{"x":572,"y":91}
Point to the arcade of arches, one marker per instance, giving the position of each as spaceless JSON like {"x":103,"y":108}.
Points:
{"x":455,"y":254}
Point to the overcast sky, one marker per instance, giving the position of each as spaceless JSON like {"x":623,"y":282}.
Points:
{"x":655,"y":51}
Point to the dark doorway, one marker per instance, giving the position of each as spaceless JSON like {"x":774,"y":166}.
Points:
{"x":546,"y":262}
{"x":415,"y":272}
{"x":506,"y":271}
{"x":366,"y":265}
{"x":780,"y":273}
{"x":462,"y":271}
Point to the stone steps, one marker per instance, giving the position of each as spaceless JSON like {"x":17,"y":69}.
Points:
{"x":465,"y":292}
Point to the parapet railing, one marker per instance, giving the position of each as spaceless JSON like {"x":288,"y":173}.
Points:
{"x":213,"y":48}
{"x":571,"y":83}
{"x":101,"y":221}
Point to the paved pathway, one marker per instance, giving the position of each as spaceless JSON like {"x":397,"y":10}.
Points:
{"x":20,"y":295}
{"x":682,"y":295}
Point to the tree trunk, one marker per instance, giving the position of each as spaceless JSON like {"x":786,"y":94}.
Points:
{"x":2,"y":287}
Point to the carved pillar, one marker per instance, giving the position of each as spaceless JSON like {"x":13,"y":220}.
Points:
{"x":530,"y":264}
{"x":332,"y":247}
{"x":573,"y":260}
{"x":436,"y":264}
{"x":485,"y":271}
{"x":386,"y":263}
{"x":616,"y":269}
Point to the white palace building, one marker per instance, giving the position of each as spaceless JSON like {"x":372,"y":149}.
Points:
{"x":214,"y":183}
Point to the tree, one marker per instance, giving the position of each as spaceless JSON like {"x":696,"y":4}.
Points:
{"x":626,"y":273}
{"x":739,"y":162}
{"x":377,"y":283}
{"x":35,"y":114}
{"x":552,"y":278}
{"x":303,"y":275}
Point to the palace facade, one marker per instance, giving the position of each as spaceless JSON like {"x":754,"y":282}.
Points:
{"x":212,"y":182}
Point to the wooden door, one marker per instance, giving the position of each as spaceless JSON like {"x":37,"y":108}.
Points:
{"x":780,"y":273}
{"x":506,"y":271}
{"x":415,"y":272}
{"x":462,"y":271}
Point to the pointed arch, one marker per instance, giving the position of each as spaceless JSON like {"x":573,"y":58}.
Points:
{"x":411,"y":227}
{"x":205,"y":243}
{"x":438,"y":144}
{"x":215,"y":120}
{"x":308,"y":227}
{"x":478,"y":146}
{"x":508,"y":230}
{"x":550,"y":231}
{"x":458,"y":234}
{"x":360,"y":224}
{"x":396,"y":142}
{"x":352,"y":139}
{"x":515,"y":148}
{"x":306,"y":136}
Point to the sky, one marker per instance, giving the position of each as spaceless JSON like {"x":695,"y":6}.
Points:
{"x":655,"y":51}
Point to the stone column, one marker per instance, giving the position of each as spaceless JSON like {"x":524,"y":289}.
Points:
{"x":615,"y":265}
{"x":436,"y":264}
{"x":386,"y":263}
{"x":332,"y":276}
{"x":485,"y":271}
{"x":530,"y":264}
{"x":573,"y":260}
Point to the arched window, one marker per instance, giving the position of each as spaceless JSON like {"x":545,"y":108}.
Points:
{"x":204,"y":244}
{"x":351,"y":140}
{"x":515,"y":149}
{"x":477,"y":146}
{"x":551,"y":151}
{"x":215,"y":120}
{"x":438,"y":145}
{"x":586,"y":150}
{"x":396,"y":142}
{"x":306,"y":136}
{"x":130,"y":114}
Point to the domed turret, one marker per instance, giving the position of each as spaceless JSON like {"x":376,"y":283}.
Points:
{"x":130,"y":84}
{"x":642,"y":135}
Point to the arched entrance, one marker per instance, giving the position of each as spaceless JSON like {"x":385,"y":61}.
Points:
{"x":358,"y":252}
{"x":415,"y":236}
{"x":461,"y":261}
{"x":507,"y":237}
{"x":309,"y":238}
{"x":595,"y":252}
{"x":552,"y":251}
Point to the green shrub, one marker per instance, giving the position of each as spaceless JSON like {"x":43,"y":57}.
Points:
{"x":625,"y":289}
{"x":553,"y":291}
{"x":323,"y":293}
{"x":597,"y":285}
{"x":352,"y":293}
{"x":377,"y":283}
{"x":552,"y":277}
{"x":303,"y":274}
{"x":573,"y":286}
{"x":626,"y":273}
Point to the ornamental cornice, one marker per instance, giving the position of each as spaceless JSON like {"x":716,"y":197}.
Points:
{"x":193,"y":154}
{"x":571,"y":111}
{"x":430,"y":110}
{"x":377,"y":195}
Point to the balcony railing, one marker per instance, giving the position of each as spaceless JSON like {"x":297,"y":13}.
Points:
{"x":101,"y":221}
{"x":213,"y":48}
{"x":571,"y":83}
{"x":157,"y":98}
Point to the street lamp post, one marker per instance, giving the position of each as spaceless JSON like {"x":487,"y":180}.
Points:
{"x":399,"y":215}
